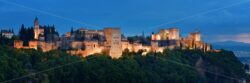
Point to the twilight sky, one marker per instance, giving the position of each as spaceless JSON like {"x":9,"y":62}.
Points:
{"x":218,"y":20}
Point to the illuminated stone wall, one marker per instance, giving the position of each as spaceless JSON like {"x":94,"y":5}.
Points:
{"x":18,"y":44}
{"x":76,"y":44}
{"x":135,"y":47}
{"x":92,"y":47}
{"x":126,"y":45}
{"x":33,"y":44}
{"x":45,"y":46}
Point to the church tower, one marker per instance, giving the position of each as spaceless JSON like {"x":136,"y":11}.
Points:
{"x":36,"y":28}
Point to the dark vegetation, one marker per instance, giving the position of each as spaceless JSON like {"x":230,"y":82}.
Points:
{"x":171,"y":66}
{"x":176,"y":66}
{"x":26,"y":34}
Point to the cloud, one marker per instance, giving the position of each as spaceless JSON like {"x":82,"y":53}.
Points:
{"x":242,"y":37}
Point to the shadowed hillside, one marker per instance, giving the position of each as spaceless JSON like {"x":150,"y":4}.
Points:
{"x":176,"y":66}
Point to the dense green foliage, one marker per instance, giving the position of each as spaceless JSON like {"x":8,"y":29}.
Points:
{"x":7,"y":41}
{"x":172,"y":66}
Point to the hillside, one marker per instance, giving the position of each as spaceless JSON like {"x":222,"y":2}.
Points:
{"x":176,"y":66}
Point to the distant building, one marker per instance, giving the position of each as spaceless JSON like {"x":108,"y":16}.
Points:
{"x":45,"y":46}
{"x":7,"y":33}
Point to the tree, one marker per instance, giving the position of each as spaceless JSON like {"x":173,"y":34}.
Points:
{"x":246,"y":67}
{"x":26,"y":34}
{"x":22,"y":32}
{"x":72,"y":30}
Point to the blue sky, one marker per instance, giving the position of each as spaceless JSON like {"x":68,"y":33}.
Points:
{"x":218,"y":20}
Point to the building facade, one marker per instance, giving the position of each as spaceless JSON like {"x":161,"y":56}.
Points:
{"x":7,"y":33}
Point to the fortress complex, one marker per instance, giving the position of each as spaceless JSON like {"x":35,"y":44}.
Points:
{"x":109,"y":41}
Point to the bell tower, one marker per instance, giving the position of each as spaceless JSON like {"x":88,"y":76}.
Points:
{"x":36,"y":28}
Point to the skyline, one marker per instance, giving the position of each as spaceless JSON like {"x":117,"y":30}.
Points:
{"x":230,"y":23}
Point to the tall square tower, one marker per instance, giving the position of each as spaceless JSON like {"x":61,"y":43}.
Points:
{"x":113,"y":42}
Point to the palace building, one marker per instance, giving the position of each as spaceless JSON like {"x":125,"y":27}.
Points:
{"x":7,"y":33}
{"x":110,"y":41}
